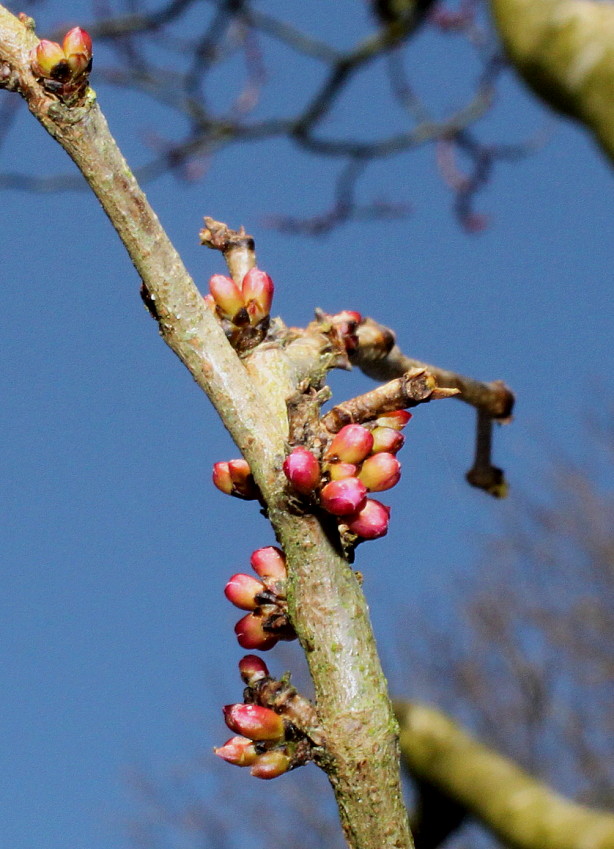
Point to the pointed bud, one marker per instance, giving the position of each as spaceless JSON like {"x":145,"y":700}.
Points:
{"x":48,"y":60}
{"x":252,"y":669}
{"x":347,"y":322}
{"x":387,"y":439}
{"x":302,"y":469}
{"x":380,"y":471}
{"x":227,"y":296}
{"x":239,"y":751}
{"x":209,"y":302}
{"x":339,"y":471}
{"x":258,"y":291}
{"x":397,"y":419}
{"x":269,"y":562}
{"x":254,"y":721}
{"x":271,"y":764}
{"x":251,"y":634}
{"x":241,"y":590}
{"x":77,"y":46}
{"x":343,"y":497}
{"x":351,"y":445}
{"x":371,"y":522}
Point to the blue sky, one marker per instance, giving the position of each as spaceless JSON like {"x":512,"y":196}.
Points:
{"x":117,"y":641}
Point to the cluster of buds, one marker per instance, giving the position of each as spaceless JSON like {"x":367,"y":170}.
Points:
{"x":266,"y":741}
{"x":265,"y":598}
{"x":245,"y":305}
{"x":234,"y":477}
{"x":359,"y":460}
{"x":63,"y":68}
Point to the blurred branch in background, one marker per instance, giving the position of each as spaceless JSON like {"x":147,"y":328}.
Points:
{"x":178,"y":59}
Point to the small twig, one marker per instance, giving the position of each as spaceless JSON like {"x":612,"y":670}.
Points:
{"x":483,"y":474}
{"x":378,"y":357}
{"x":415,"y":387}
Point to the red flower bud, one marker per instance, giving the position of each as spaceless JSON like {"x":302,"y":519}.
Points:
{"x":351,"y":445}
{"x":380,"y":471}
{"x":46,"y":59}
{"x":221,"y":477}
{"x":239,"y":751}
{"x":77,"y":46}
{"x":271,"y":764}
{"x":258,"y":291}
{"x":254,"y":721}
{"x":397,"y":419}
{"x":371,"y":522}
{"x":251,"y":634}
{"x":387,"y":439}
{"x":228,"y":297}
{"x":302,"y":469}
{"x":343,"y":496}
{"x":252,"y":669}
{"x":241,"y":590}
{"x":339,"y":471}
{"x":269,"y":562}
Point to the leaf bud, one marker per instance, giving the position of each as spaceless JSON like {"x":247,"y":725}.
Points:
{"x":396,"y":419}
{"x":387,"y":439}
{"x":271,"y":764}
{"x":380,"y":471}
{"x":227,"y":296}
{"x":342,"y":497}
{"x":351,"y":445}
{"x":251,"y":634}
{"x":257,"y":288}
{"x":241,"y":590}
{"x":371,"y":522}
{"x":302,"y":469}
{"x":239,"y":751}
{"x":254,"y":721}
{"x":269,"y":562}
{"x":252,"y":669}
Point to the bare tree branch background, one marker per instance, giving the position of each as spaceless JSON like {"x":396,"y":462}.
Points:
{"x":173,"y":54}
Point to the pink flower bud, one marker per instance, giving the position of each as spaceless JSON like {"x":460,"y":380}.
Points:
{"x":271,"y":764}
{"x":380,"y":471}
{"x":397,"y":419}
{"x":48,"y":60}
{"x":343,"y":496}
{"x":387,"y":439}
{"x":338,"y":471}
{"x":77,"y":46}
{"x":351,"y":445}
{"x":235,"y":478}
{"x":254,"y":721}
{"x":241,"y":590}
{"x":228,"y":297}
{"x":251,"y":634}
{"x":302,"y":469}
{"x":252,"y":669}
{"x":371,"y":522}
{"x":221,"y":477}
{"x":269,"y":562}
{"x":258,"y":291}
{"x":239,"y":751}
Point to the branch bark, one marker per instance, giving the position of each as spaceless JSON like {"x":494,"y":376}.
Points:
{"x":521,"y":811}
{"x":564,"y":51}
{"x":326,"y":604}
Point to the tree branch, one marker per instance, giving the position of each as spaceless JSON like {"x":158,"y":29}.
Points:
{"x":519,"y":810}
{"x":326,"y":605}
{"x":564,"y":51}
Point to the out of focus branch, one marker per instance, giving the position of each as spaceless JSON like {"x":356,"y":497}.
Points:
{"x":519,"y":810}
{"x":564,"y":50}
